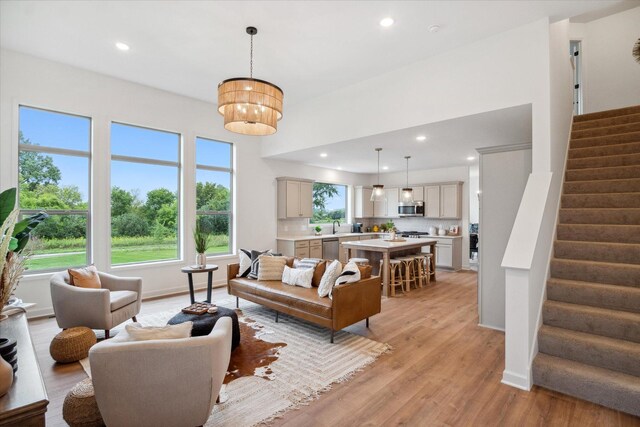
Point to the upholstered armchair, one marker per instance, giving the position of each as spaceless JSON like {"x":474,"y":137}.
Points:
{"x":119,"y":299}
{"x":167,"y":382}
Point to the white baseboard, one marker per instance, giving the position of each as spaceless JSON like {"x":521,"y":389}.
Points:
{"x":495,"y":328}
{"x":516,"y":380}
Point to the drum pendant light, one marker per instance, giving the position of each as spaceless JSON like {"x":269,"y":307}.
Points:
{"x":378,"y":194}
{"x":250,"y":106}
{"x":407,"y":192}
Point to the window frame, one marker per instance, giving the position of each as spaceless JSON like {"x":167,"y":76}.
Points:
{"x":231,"y":171}
{"x":347,"y":193}
{"x":155,"y":162}
{"x":61,"y":212}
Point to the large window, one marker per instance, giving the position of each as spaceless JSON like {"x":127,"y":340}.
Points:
{"x":329,"y":203}
{"x":54,"y":155}
{"x":214,"y":177}
{"x":145,"y":174}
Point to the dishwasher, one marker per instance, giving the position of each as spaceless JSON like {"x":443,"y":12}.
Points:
{"x":330,"y":248}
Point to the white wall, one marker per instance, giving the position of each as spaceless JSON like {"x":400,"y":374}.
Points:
{"x":41,"y":83}
{"x":474,"y":188}
{"x":611,"y":75}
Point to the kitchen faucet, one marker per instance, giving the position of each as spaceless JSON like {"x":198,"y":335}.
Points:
{"x":334,"y":226}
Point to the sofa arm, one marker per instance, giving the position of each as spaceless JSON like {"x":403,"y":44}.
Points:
{"x":353,"y":302}
{"x":232,"y":271}
{"x":74,"y":306}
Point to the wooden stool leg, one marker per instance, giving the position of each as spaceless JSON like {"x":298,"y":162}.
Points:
{"x":392,"y":282}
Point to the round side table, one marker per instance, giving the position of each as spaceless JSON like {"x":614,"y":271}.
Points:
{"x":209,"y":268}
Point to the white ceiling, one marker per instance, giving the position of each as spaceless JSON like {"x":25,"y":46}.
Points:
{"x":308,"y":48}
{"x":448,"y":144}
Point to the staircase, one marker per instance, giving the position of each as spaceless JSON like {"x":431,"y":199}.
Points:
{"x":589,"y":343}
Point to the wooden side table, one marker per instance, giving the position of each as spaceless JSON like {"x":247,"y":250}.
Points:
{"x":209,"y":268}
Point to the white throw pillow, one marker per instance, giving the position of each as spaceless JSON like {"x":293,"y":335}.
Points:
{"x":297,"y":276}
{"x":329,"y":278}
{"x":350,"y":274}
{"x":137,"y":332}
{"x":245,"y":263}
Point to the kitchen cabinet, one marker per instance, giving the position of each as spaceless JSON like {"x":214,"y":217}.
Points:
{"x":315,"y":249}
{"x":295,"y":198}
{"x":432,"y":201}
{"x":363,"y":203}
{"x":443,"y":200}
{"x":448,"y":252}
{"x":387,"y":208}
{"x":418,"y":194}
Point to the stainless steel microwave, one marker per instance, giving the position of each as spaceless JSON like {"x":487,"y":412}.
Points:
{"x":411,"y":209}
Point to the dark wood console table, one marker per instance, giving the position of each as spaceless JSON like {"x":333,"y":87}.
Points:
{"x":26,"y":402}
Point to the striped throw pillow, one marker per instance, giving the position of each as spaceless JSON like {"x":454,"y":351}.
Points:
{"x":271,"y":267}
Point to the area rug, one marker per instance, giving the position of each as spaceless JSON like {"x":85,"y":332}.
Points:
{"x":306,"y":366}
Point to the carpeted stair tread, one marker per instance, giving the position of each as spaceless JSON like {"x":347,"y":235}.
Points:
{"x":604,"y":161}
{"x":598,"y":141}
{"x":634,"y":109}
{"x":625,"y":253}
{"x":602,"y":386}
{"x":629,"y":185}
{"x":608,"y":121}
{"x":599,"y":272}
{"x":605,"y":150}
{"x":601,"y":200}
{"x":590,"y":174}
{"x":606,"y":130}
{"x":617,"y":233}
{"x":593,"y":320}
{"x":595,"y":350}
{"x":625,"y":298}
{"x":629,"y":216}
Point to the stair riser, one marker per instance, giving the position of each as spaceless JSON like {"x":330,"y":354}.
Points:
{"x":625,"y":172}
{"x":625,"y":111}
{"x":603,"y":131}
{"x":605,"y":200}
{"x":602,"y":252}
{"x":598,"y":324}
{"x":600,"y":216}
{"x":598,"y":141}
{"x":623,"y":358}
{"x":602,"y":186}
{"x":623,"y":298}
{"x":622,"y":397}
{"x":614,"y":274}
{"x":599,"y":233}
{"x":607,"y":150}
{"x":612,"y":121}
{"x":604,"y":162}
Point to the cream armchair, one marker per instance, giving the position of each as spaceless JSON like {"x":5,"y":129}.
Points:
{"x":118,"y":300}
{"x":169,"y":382}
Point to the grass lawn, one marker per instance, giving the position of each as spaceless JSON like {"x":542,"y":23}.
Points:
{"x":119,"y":255}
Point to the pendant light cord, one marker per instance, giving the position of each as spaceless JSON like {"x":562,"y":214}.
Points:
{"x":407,"y":172}
{"x":378,"y":167}
{"x":251,"y":59}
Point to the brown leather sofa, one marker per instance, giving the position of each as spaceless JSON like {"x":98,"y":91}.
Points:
{"x":351,"y":303}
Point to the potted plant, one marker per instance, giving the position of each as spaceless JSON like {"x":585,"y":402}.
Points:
{"x":318,"y":230}
{"x":202,"y":239}
{"x":391,"y":228}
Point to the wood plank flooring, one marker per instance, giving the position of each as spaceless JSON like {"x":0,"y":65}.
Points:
{"x":444,"y":370}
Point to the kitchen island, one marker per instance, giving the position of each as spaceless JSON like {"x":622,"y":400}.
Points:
{"x":375,"y":247}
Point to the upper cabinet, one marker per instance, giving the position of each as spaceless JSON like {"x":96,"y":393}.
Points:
{"x":363,"y":203}
{"x":418,"y":194}
{"x":295,"y":198}
{"x":443,"y":200}
{"x":392,"y":196}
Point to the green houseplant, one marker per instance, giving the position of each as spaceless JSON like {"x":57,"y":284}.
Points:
{"x":202,"y":240}
{"x":318,"y":230}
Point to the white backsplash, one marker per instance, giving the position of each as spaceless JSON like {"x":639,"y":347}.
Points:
{"x":413,"y":223}
{"x":301,"y":227}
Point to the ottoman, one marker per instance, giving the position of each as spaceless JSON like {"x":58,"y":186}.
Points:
{"x":80,"y":408}
{"x":72,"y":344}
{"x":203,"y":323}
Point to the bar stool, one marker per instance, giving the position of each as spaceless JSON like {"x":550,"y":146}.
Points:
{"x":409,"y":271}
{"x":420,"y":267}
{"x":430,"y":265}
{"x":394,"y":269}
{"x":360,"y":261}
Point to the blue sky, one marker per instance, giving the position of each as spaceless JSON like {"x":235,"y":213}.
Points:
{"x":337,"y":202}
{"x":57,"y":130}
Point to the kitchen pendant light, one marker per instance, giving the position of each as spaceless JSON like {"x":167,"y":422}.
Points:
{"x":250,"y":106}
{"x":407,"y":192}
{"x":378,"y":194}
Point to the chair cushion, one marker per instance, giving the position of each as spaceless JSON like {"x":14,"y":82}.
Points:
{"x":121,"y":298}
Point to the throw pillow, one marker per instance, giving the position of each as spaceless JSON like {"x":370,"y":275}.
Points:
{"x":329,"y":278}
{"x":350,"y":274}
{"x":318,"y":273}
{"x":245,"y":263}
{"x":306,"y":263}
{"x":137,"y":332}
{"x":86,"y":277}
{"x":271,"y":267}
{"x":255,"y":263}
{"x":297,"y":276}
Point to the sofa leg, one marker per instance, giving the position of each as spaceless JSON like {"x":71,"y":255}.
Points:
{"x":367,"y":322}
{"x":106,"y":334}
{"x":277,"y":316}
{"x":332,"y":332}
{"x":134,"y":319}
{"x":237,"y":302}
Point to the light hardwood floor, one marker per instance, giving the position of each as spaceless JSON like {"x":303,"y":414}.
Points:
{"x":443,"y":370}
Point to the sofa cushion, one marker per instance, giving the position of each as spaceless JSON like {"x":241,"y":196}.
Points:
{"x":293,"y":296}
{"x":121,"y":298}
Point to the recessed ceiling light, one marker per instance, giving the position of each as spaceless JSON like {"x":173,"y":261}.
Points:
{"x":421,"y":138}
{"x":385,"y":168}
{"x":434,"y":28}
{"x":323,"y":154}
{"x":122,"y":46}
{"x":471,"y":158}
{"x":386,"y":22}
